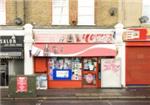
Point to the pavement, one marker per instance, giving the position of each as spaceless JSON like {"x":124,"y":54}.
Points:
{"x":81,"y":94}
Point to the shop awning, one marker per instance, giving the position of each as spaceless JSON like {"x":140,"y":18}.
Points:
{"x":11,"y":55}
{"x":73,"y":50}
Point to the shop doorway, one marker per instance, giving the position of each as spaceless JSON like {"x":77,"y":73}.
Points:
{"x":3,"y":73}
{"x":90,"y":73}
{"x":110,"y":73}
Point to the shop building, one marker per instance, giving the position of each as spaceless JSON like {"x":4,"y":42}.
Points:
{"x":78,"y":58}
{"x":11,"y":54}
{"x":137,"y":57}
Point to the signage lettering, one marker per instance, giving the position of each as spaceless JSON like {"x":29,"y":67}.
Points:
{"x":105,"y":37}
{"x":11,"y":40}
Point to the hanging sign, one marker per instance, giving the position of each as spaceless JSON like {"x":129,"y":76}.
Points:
{"x":22,"y":84}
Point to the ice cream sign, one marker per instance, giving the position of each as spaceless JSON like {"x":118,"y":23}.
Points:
{"x":75,"y":37}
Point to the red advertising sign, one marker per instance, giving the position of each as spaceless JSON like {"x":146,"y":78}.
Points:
{"x":137,"y":34}
{"x":22,"y":84}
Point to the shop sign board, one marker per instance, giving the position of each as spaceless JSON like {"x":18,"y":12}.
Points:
{"x":85,"y":37}
{"x":22,"y":85}
{"x":11,"y":43}
{"x":136,"y":34}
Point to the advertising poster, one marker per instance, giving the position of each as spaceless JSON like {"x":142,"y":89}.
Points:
{"x":41,"y":81}
{"x":111,"y":73}
{"x":22,"y":85}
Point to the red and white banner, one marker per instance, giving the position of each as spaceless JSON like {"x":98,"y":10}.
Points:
{"x":69,"y":50}
{"x":22,"y":85}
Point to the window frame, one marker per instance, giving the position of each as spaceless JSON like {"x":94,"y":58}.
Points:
{"x":92,"y":23}
{"x":147,"y":3}
{"x":54,"y":15}
{"x":3,"y":12}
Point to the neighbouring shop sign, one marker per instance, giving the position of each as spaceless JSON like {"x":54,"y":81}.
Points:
{"x":22,"y":85}
{"x":102,"y":37}
{"x":137,"y":34}
{"x":13,"y":44}
{"x":11,"y":41}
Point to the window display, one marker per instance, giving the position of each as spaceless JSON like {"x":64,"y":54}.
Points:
{"x":69,"y":68}
{"x":89,"y":64}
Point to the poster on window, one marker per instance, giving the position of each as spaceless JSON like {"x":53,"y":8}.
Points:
{"x":41,"y":82}
{"x":62,"y":74}
{"x":22,"y":85}
{"x":111,"y":73}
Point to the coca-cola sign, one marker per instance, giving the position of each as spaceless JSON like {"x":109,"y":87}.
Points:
{"x":103,"y":37}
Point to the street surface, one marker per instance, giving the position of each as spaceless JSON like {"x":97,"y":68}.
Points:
{"x":76,"y":102}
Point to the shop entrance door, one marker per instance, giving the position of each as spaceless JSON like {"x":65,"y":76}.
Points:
{"x":3,"y":73}
{"x":90,"y":73}
{"x":111,"y":73}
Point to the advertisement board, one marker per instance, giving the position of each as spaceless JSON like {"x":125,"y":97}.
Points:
{"x":22,"y":85}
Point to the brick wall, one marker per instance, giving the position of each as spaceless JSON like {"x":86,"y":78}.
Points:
{"x":38,"y":12}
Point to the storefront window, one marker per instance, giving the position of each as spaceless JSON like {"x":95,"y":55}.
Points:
{"x":146,"y":9}
{"x":60,"y":12}
{"x":86,"y":12}
{"x":65,"y":68}
{"x":2,"y":12}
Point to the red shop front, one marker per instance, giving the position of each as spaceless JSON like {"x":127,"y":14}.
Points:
{"x":138,"y":57}
{"x":71,"y":64}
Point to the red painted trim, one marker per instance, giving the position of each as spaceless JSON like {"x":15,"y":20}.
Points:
{"x":138,"y":43}
{"x":65,"y":84}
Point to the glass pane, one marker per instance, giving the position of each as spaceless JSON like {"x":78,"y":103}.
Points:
{"x":60,"y":20}
{"x":86,"y":20}
{"x":60,"y":12}
{"x":85,"y":3}
{"x":146,"y":9}
{"x":86,"y":11}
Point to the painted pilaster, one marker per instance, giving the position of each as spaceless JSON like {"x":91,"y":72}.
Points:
{"x":121,"y":50}
{"x":28,"y":59}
